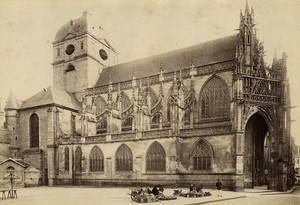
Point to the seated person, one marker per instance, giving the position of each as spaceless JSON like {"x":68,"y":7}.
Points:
{"x":148,"y":191}
{"x":157,"y":190}
{"x":192,"y":188}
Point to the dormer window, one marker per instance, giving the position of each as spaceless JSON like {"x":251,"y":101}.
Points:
{"x":58,"y":51}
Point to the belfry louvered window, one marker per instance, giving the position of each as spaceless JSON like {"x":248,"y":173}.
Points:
{"x":96,"y":160}
{"x":201,"y":155}
{"x":124,"y":159}
{"x":156,"y":158}
{"x":66,"y":155}
{"x":214,"y":99}
{"x":34,"y":130}
{"x":78,"y":157}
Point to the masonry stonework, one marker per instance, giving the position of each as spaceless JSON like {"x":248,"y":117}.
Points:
{"x":211,"y":111}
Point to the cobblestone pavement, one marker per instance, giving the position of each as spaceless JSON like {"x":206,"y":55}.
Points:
{"x":119,"y":196}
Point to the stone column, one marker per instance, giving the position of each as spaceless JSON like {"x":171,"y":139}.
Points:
{"x":51,"y":146}
{"x":239,"y":162}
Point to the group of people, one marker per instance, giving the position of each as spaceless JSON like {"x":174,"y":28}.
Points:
{"x":158,"y":189}
{"x":198,"y":189}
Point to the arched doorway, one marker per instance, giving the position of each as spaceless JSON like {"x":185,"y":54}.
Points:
{"x":256,"y":151}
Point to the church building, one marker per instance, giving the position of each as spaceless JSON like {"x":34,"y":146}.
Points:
{"x":211,"y":111}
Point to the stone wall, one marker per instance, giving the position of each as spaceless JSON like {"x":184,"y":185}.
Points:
{"x":178,"y":166}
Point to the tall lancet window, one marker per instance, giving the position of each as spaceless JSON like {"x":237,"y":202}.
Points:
{"x":214,"y":99}
{"x":156,"y":158}
{"x":201,"y":155}
{"x":96,"y":160}
{"x":34,"y":130}
{"x":78,"y":157}
{"x":66,"y":155}
{"x":124,"y":159}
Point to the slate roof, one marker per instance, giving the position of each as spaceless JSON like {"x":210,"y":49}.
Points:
{"x":214,"y":51}
{"x":80,"y":26}
{"x":11,"y":101}
{"x":52,"y":96}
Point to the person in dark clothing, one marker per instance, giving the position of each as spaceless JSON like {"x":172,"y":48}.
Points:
{"x":219,"y":187}
{"x":199,"y":188}
{"x":192,"y":188}
{"x":157,"y":189}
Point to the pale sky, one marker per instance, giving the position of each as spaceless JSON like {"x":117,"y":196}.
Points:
{"x":139,"y":28}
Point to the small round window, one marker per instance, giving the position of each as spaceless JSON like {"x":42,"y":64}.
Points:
{"x":70,"y":49}
{"x":103,"y":54}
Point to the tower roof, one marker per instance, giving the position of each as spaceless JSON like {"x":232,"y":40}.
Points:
{"x":80,"y":26}
{"x":219,"y":50}
{"x":52,"y":96}
{"x":11,"y":101}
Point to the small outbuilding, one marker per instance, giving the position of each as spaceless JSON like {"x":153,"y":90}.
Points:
{"x":14,"y":173}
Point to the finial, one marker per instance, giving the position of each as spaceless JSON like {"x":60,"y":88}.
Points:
{"x":161,"y":76}
{"x":246,"y":7}
{"x":180,"y":75}
{"x":133,"y":78}
{"x":275,"y":54}
{"x":140,"y":85}
{"x":148,"y":81}
{"x":175,"y":78}
{"x":119,"y":88}
{"x":109,"y":78}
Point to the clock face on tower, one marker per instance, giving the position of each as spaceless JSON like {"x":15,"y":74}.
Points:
{"x":70,"y":49}
{"x":103,"y":54}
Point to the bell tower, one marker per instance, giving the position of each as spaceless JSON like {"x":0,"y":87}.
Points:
{"x":80,"y":52}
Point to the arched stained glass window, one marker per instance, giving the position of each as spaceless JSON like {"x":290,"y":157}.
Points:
{"x":96,"y":160}
{"x":201,"y":155}
{"x":125,"y":101}
{"x":127,"y":124}
{"x":78,"y":157}
{"x":124,"y":159}
{"x":214,"y":99}
{"x":102,"y":126}
{"x":156,"y":158}
{"x":155,"y":121}
{"x":66,"y":155}
{"x":100,"y":105}
{"x":34,"y":130}
{"x":187,"y":117}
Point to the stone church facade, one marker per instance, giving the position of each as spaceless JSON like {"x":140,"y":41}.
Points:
{"x":194,"y":115}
